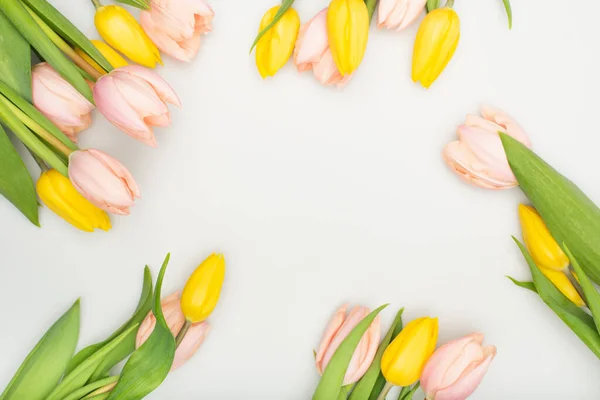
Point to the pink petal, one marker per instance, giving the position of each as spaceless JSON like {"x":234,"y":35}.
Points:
{"x":511,"y":127}
{"x":119,"y":170}
{"x":332,"y":328}
{"x":190,"y":344}
{"x":312,"y":41}
{"x":165,"y":92}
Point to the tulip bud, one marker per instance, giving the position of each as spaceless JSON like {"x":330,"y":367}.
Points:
{"x":120,"y":30}
{"x":456,"y":369}
{"x":564,"y":285}
{"x":544,"y":250}
{"x":276,"y":45}
{"x":59,"y":195}
{"x":203,"y":288}
{"x":348,"y":30}
{"x":435,"y":44}
{"x":114,"y":58}
{"x":404,"y":359}
{"x":398,"y":14}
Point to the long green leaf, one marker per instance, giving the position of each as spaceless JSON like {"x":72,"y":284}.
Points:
{"x":69,"y":32}
{"x":592,"y":296}
{"x":15,"y":58}
{"x":30,"y":30}
{"x":127,"y":346}
{"x":149,"y":365}
{"x":571,"y":217}
{"x":285,"y":5}
{"x":333,"y":377}
{"x":524,"y":285}
{"x":380,"y":383}
{"x":90,"y":387}
{"x":45,"y":364}
{"x":581,"y":323}
{"x":364,"y":387}
{"x":15,"y":182}
{"x":508,"y":12}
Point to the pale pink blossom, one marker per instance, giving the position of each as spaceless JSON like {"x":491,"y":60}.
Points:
{"x":134,"y":99}
{"x":312,"y":52}
{"x":60,"y":102}
{"x":478,"y":155}
{"x":339,"y":327}
{"x":398,"y":14}
{"x":175,"y":320}
{"x":456,"y":369}
{"x":177,"y":26}
{"x":103,"y":180}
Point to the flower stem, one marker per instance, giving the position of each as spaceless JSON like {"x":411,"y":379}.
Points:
{"x":450,"y":3}
{"x":64,"y":46}
{"x":386,"y":389}
{"x":39,"y":130}
{"x":344,"y":392}
{"x":371,"y":4}
{"x":97,"y":4}
{"x":38,"y":160}
{"x":182,"y":332}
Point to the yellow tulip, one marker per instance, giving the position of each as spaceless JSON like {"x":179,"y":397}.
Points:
{"x":114,"y":58}
{"x":562,"y":283}
{"x":275,"y":47}
{"x":121,"y":31}
{"x":60,"y":196}
{"x":404,"y":359}
{"x":544,"y":250}
{"x":201,"y":292}
{"x":348,"y":31}
{"x":435,"y":44}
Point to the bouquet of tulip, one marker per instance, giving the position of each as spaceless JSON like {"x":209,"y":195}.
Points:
{"x":356,"y":365}
{"x":46,"y":106}
{"x":333,"y":43}
{"x":158,"y":338}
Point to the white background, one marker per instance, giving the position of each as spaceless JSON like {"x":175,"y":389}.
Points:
{"x":319,"y":196}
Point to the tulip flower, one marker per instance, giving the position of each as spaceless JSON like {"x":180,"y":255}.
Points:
{"x":404,"y":359}
{"x":398,"y":14}
{"x":435,"y":44}
{"x":544,"y":250}
{"x":478,"y":156}
{"x":203,"y":288}
{"x":121,"y":31}
{"x":58,"y":193}
{"x":175,"y":319}
{"x":456,"y":369}
{"x":176,"y":27}
{"x":339,"y":327}
{"x":348,"y":30}
{"x":312,"y":52}
{"x":68,"y":109}
{"x":114,"y":58}
{"x":103,"y":180}
{"x":275,"y":46}
{"x":135,"y":99}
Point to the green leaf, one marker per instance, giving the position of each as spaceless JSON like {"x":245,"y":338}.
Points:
{"x":15,"y":182}
{"x":432,"y":5}
{"x":90,"y":387}
{"x":592,"y":297}
{"x":149,"y":365}
{"x":581,"y":323}
{"x":80,"y":375}
{"x":141,"y":4}
{"x":102,"y":396}
{"x":524,"y":285}
{"x":285,"y":5}
{"x":364,"y":387}
{"x":127,"y":346}
{"x":333,"y":377}
{"x":571,"y":217}
{"x":15,"y":58}
{"x":31,"y":31}
{"x":380,"y":383}
{"x":408,"y":394}
{"x":69,"y":32}
{"x":508,"y":12}
{"x":44,"y":366}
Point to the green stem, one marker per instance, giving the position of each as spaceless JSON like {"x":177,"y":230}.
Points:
{"x":344,"y":391}
{"x":97,"y":4}
{"x":508,"y":12}
{"x":403,"y":392}
{"x":450,"y":3}
{"x":386,"y":389}
{"x":64,"y":46}
{"x":371,"y":4}
{"x":92,"y":389}
{"x":38,"y":161}
{"x":182,"y":332}
{"x":39,"y":130}
{"x":409,"y":393}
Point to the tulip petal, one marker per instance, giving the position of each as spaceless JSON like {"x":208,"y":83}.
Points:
{"x":119,"y":170}
{"x":511,"y":127}
{"x":330,"y":332}
{"x":469,"y":380}
{"x":165,"y":92}
{"x":190,"y":344}
{"x":312,"y":41}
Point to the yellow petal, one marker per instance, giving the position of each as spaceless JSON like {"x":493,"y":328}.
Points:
{"x":202,"y":290}
{"x":275,"y":47}
{"x":348,"y":31}
{"x":562,"y":283}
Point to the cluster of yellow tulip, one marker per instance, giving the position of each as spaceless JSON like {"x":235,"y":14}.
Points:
{"x":337,"y":43}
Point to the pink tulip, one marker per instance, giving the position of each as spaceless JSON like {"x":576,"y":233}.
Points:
{"x":456,"y":369}
{"x":339,"y":327}
{"x":398,"y":14}
{"x":134,"y":99}
{"x":312,"y":52}
{"x":177,"y":26}
{"x":175,"y":320}
{"x":59,"y":101}
{"x":103,"y":180}
{"x":478,"y":156}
